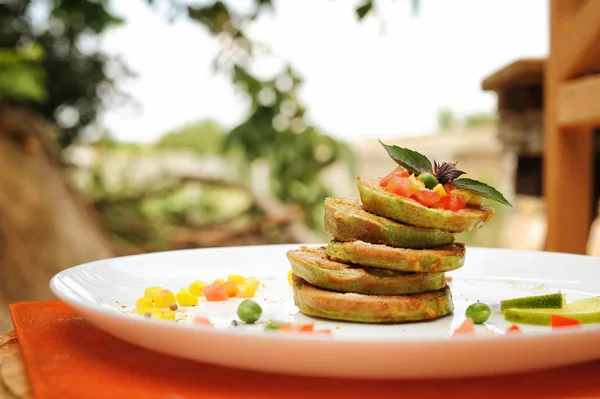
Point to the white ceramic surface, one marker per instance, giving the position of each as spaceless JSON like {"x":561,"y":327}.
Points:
{"x":99,"y":290}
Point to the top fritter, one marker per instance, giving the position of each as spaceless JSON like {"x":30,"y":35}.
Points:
{"x":425,"y":195}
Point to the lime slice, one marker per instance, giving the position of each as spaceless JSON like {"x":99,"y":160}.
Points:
{"x":549,"y":301}
{"x":586,"y":311}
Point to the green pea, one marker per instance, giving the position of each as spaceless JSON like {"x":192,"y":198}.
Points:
{"x":479,"y":312}
{"x":249,"y":311}
{"x":429,"y":180}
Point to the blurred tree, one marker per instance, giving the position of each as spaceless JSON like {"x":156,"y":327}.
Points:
{"x":204,"y":137}
{"x":480,"y":119}
{"x":446,"y":119}
{"x":61,"y":72}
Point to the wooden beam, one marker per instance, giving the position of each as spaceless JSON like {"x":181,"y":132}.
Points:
{"x":579,"y":102}
{"x":567,"y":157}
{"x":577,"y":49}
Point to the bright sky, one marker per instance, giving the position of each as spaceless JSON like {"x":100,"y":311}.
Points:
{"x":359,"y":82}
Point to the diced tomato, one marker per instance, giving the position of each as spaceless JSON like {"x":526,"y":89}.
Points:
{"x":449,"y":187}
{"x":215,"y":292}
{"x":401,"y":186}
{"x":326,"y":332}
{"x":427,"y":197}
{"x":297,"y":327}
{"x":231,"y":288}
{"x":560,"y":321}
{"x":513,"y":329}
{"x":201,"y":320}
{"x":452,"y":203}
{"x":399,"y":171}
{"x":467,"y":326}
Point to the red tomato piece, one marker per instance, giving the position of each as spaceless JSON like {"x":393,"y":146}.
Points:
{"x":231,"y":288}
{"x":560,"y":321}
{"x":401,"y":186}
{"x":201,"y":320}
{"x":513,"y":329}
{"x":427,"y":197}
{"x":291,"y":327}
{"x":449,"y":187}
{"x":467,"y":326}
{"x":452,"y":203}
{"x":215,"y":292}
{"x":399,"y":171}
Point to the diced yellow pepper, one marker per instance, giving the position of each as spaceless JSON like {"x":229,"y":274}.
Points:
{"x":153,"y":313}
{"x":415,"y":182}
{"x":475,"y":200}
{"x":290,"y":277}
{"x":440,"y":189}
{"x":185,"y":298}
{"x":167,"y":315}
{"x":143,"y":303}
{"x":147,"y":310}
{"x":196,"y":287}
{"x":236,"y":278}
{"x":164,"y":299}
{"x":219,"y":280}
{"x":245,"y":291}
{"x":462,"y":193}
{"x":150,"y":291}
{"x":252,"y":281}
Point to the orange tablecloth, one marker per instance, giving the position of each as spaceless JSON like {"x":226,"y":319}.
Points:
{"x":66,"y":357}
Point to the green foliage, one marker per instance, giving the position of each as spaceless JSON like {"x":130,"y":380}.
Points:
{"x":22,"y":76}
{"x":66,"y":81}
{"x":448,"y":119}
{"x":368,"y":7}
{"x":276,"y":129}
{"x":204,"y":137}
{"x":480,"y":119}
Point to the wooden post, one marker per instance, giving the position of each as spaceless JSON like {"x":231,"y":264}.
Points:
{"x":568,"y":150}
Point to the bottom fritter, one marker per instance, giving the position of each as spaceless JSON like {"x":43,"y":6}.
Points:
{"x":361,"y":308}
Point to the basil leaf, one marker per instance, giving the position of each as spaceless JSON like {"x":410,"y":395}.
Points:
{"x":411,"y":160}
{"x":481,"y":189}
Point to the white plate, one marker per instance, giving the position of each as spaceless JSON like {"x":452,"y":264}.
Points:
{"x":99,"y":290}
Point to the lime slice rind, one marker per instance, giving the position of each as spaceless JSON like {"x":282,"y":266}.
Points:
{"x":586,"y":311}
{"x":548,"y":301}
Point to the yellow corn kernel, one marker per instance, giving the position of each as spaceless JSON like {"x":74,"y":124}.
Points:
{"x":236,"y":278}
{"x":196,"y":287}
{"x":462,"y":193}
{"x":167,"y":315}
{"x":150,"y":291}
{"x":290,"y":277}
{"x":219,"y":280}
{"x":153,"y":313}
{"x":252,"y":281}
{"x":475,"y":200}
{"x":415,"y":182}
{"x":245,"y":291}
{"x":143,"y":303}
{"x":163,"y":299}
{"x":185,"y":298}
{"x":440,"y":189}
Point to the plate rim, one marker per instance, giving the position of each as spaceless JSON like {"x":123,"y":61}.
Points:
{"x":71,"y":299}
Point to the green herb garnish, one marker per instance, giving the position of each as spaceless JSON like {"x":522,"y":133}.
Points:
{"x":411,"y":160}
{"x":445,"y":172}
{"x":481,"y":189}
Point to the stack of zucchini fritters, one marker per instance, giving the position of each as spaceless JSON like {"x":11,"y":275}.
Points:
{"x":387,"y":260}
